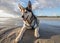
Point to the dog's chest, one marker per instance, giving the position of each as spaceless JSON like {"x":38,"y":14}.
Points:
{"x":32,"y":24}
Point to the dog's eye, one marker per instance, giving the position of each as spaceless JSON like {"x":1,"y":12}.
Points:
{"x":26,"y":12}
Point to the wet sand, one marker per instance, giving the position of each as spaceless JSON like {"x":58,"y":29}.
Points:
{"x":48,"y":34}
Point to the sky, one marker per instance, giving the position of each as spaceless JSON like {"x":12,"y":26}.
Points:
{"x":9,"y":8}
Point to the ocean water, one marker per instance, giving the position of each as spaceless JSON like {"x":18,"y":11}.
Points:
{"x":50,"y":22}
{"x":45,"y":24}
{"x":19,"y":22}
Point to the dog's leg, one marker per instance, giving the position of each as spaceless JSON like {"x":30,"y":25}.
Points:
{"x":36,"y":33}
{"x":20,"y":34}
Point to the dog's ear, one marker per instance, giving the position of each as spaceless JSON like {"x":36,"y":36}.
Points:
{"x":29,"y":5}
{"x":21,"y":7}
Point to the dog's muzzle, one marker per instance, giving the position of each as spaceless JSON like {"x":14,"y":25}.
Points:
{"x":22,"y":16}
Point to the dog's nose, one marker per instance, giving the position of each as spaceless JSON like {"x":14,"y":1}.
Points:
{"x":22,"y":16}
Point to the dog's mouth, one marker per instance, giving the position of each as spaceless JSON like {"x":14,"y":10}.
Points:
{"x":25,"y":18}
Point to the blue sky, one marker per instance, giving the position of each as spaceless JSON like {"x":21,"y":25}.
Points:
{"x":53,"y":11}
{"x":48,"y":12}
{"x":39,"y":7}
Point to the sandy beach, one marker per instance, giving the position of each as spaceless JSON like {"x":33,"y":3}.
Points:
{"x":48,"y":34}
{"x":8,"y":35}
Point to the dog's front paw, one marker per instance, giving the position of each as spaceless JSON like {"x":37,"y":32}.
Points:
{"x":37,"y":34}
{"x":15,"y":41}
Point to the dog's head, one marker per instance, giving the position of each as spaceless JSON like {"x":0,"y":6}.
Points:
{"x":26,"y":12}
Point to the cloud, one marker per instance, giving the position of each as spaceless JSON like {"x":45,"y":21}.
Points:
{"x":40,"y":4}
{"x":4,"y":14}
{"x":54,"y":14}
{"x":35,"y":4}
{"x":9,"y":6}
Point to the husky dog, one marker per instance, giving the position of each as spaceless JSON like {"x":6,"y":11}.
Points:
{"x":30,"y":21}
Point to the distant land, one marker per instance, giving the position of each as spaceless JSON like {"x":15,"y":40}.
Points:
{"x":48,"y":16}
{"x":38,"y":17}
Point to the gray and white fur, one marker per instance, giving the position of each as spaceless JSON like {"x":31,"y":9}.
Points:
{"x":30,"y":21}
